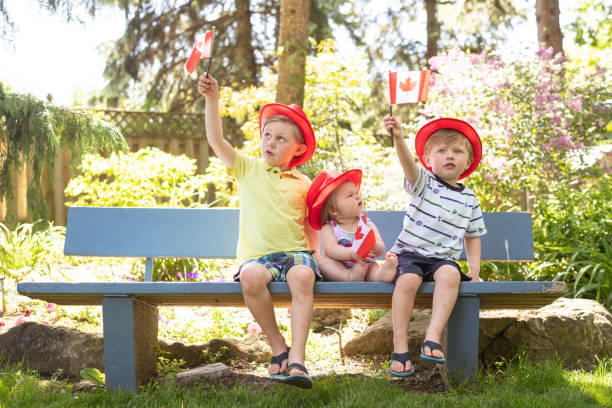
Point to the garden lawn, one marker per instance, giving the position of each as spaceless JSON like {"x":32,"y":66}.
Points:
{"x":517,"y":384}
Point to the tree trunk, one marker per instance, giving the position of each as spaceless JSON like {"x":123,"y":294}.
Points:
{"x":549,"y":30}
{"x":433,"y":28}
{"x":244,"y":54}
{"x":293,"y":43}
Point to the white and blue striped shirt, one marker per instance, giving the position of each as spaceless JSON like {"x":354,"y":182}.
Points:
{"x":438,"y":217}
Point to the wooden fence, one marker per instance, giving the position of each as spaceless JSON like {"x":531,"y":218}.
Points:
{"x":175,"y":133}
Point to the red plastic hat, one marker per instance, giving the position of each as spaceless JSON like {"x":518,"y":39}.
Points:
{"x":297,"y":115}
{"x":322,"y":186}
{"x":450,"y":123}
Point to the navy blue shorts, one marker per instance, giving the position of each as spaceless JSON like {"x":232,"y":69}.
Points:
{"x":409,"y":262}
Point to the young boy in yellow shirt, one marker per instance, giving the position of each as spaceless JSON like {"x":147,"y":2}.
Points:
{"x":275,"y":241}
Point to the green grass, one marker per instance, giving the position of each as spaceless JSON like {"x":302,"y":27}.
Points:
{"x":519,"y":384}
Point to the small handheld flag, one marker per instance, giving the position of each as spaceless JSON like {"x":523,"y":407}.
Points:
{"x":202,"y":48}
{"x":364,"y":238}
{"x":408,"y":87}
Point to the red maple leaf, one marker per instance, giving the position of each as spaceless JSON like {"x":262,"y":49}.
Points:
{"x":408,"y":85}
{"x":358,"y":233}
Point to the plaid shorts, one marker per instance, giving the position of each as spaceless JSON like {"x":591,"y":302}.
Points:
{"x":279,"y":264}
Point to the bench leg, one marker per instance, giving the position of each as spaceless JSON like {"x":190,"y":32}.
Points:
{"x":130,"y":336}
{"x":462,"y":341}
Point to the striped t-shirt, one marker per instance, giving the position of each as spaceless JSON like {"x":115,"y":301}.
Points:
{"x":438,"y":217}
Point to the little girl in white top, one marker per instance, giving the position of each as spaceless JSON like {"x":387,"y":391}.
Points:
{"x":350,"y":242}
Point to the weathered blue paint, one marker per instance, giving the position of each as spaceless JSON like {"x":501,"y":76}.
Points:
{"x":119,"y":350}
{"x":462,"y":339}
{"x":149,"y":269}
{"x":194,"y":233}
{"x":138,"y":288}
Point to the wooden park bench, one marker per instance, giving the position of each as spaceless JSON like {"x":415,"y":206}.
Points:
{"x":130,"y":315}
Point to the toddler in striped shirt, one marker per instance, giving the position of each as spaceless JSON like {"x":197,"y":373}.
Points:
{"x":441,"y":217}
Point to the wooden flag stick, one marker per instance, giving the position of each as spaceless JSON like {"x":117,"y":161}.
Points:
{"x":211,"y":50}
{"x":391,"y":129}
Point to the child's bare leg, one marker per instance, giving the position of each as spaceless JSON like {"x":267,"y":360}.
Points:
{"x":386,"y":273}
{"x":254,"y":279}
{"x":335,"y":271}
{"x":445,"y":295}
{"x":301,"y":280}
{"x":402,"y":304}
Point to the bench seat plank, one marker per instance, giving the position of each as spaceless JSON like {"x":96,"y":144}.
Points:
{"x":358,"y":295}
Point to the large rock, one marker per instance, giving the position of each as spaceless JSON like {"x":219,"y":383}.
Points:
{"x":253,"y":348}
{"x":328,"y":317}
{"x":378,"y":338}
{"x":577,"y":330}
{"x":49,"y":349}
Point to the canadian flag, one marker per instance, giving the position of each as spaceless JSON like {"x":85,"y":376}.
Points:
{"x":201,"y":49}
{"x":364,"y":238}
{"x":408,"y":87}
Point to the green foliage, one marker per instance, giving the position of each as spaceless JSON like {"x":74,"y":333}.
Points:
{"x":590,"y":271}
{"x":166,"y":367}
{"x":221,"y":354}
{"x":572,"y":232}
{"x":592,"y":25}
{"x":146,"y":178}
{"x":375,"y":314}
{"x":29,"y":247}
{"x":94,"y":376}
{"x":34,"y":130}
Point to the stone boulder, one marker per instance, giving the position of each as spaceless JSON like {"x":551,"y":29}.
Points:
{"x":329,"y":317}
{"x":253,"y":348}
{"x":378,"y":338}
{"x":577,"y":330}
{"x":48,"y":349}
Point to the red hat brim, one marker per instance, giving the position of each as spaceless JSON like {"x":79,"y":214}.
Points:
{"x":297,"y":115}
{"x":450,"y":123}
{"x":320,"y":189}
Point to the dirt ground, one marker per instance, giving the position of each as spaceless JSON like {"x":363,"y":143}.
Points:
{"x":426,"y":379}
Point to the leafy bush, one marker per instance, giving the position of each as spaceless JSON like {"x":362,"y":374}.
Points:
{"x":185,"y":269}
{"x":29,"y":247}
{"x":146,"y":178}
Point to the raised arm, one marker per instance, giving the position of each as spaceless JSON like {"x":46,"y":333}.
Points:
{"x":472,"y":253}
{"x":209,"y":87}
{"x":411,"y":170}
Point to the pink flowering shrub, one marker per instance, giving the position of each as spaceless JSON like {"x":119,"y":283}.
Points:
{"x":536,"y":118}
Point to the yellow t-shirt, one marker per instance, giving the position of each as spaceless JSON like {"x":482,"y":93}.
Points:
{"x":272,"y":208}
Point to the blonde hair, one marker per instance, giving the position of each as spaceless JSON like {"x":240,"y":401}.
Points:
{"x":449,"y":137}
{"x":285,"y":119}
{"x":329,"y":209}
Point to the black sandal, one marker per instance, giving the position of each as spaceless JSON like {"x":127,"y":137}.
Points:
{"x":279,"y":360}
{"x":297,"y":380}
{"x":402,"y":358}
{"x":432,"y":346}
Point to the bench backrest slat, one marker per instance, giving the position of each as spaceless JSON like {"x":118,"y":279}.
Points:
{"x":213,"y":232}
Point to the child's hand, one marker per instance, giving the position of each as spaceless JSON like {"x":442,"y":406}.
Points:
{"x":357,"y":258}
{"x":392,"y":125}
{"x":371,"y":257}
{"x":208,"y":86}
